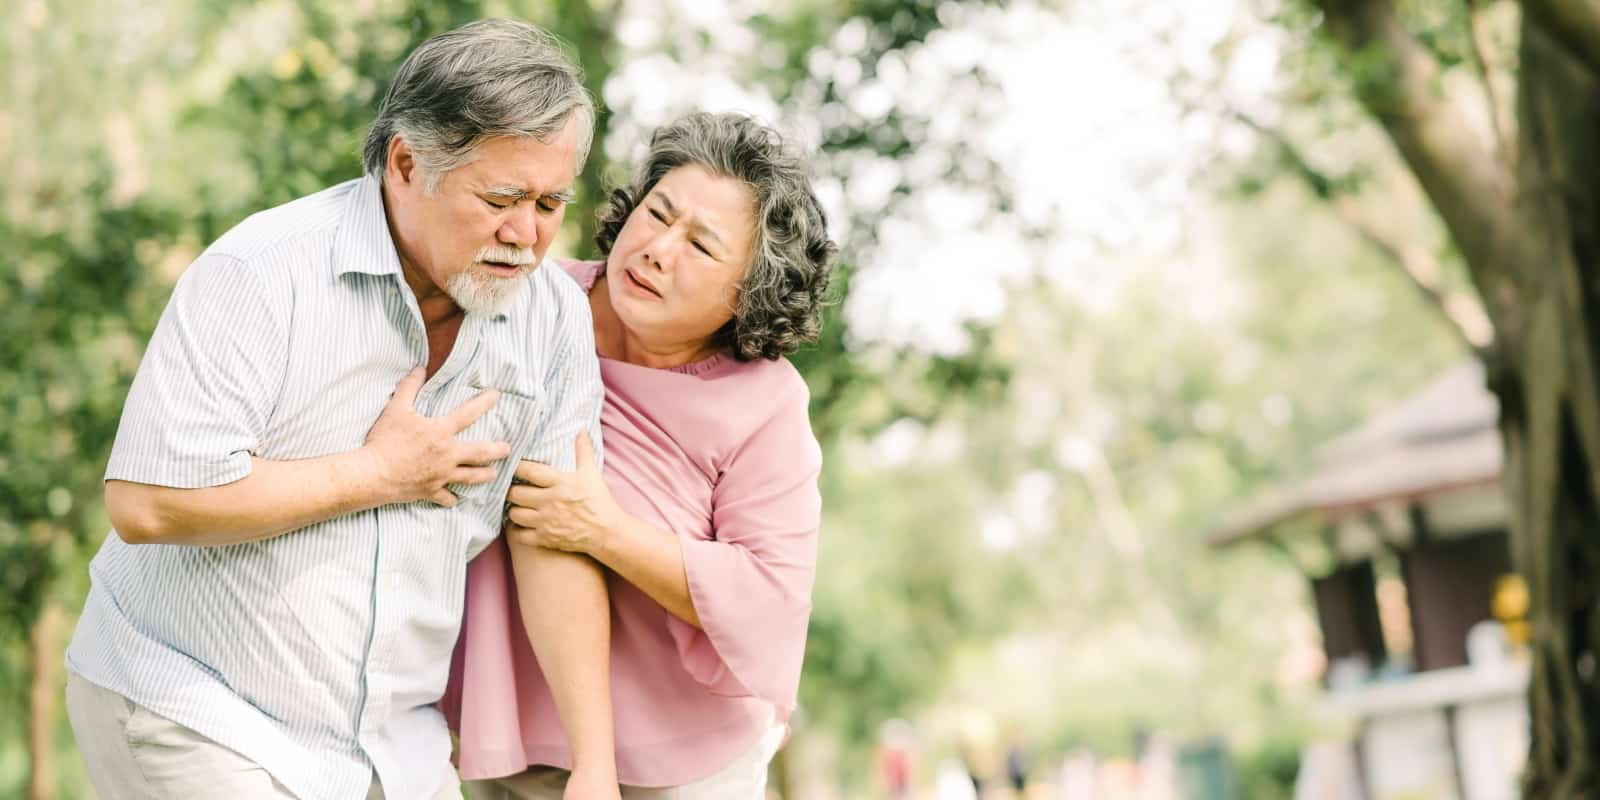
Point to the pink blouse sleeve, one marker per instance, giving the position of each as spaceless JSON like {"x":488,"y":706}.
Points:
{"x":751,"y":583}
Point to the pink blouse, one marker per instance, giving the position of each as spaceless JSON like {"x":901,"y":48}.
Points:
{"x":720,"y":453}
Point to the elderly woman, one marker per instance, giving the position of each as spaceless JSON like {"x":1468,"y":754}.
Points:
{"x":705,"y":516}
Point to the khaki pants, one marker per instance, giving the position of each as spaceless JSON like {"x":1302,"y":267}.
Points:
{"x":133,"y":753}
{"x":744,"y":779}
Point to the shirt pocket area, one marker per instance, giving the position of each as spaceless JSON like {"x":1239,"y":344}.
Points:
{"x":514,"y":419}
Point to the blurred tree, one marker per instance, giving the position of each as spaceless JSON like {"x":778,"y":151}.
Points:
{"x":1140,"y":426}
{"x":66,"y":361}
{"x":1494,"y":108}
{"x":81,"y":288}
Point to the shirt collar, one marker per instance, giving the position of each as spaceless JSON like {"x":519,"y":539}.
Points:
{"x":363,"y":243}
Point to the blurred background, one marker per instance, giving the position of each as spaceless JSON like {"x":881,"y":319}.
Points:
{"x":1158,"y":460}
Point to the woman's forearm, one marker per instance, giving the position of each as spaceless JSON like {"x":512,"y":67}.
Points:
{"x":567,"y":613}
{"x":651,"y":559}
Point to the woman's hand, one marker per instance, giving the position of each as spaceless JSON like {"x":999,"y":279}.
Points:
{"x":571,"y":511}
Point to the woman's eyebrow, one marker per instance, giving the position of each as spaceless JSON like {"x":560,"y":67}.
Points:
{"x":699,"y":227}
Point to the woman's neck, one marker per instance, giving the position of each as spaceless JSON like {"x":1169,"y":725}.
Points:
{"x":616,"y":341}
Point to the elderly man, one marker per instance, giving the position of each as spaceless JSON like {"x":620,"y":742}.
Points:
{"x":275,"y":613}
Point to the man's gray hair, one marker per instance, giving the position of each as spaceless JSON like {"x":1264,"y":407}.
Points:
{"x":494,"y":77}
{"x":786,"y":284}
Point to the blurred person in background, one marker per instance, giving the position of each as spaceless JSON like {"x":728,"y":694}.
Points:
{"x":896,"y":740}
{"x":276,"y":613}
{"x":953,"y":781}
{"x":1079,"y":776}
{"x":1016,"y":763}
{"x":702,"y":521}
{"x":972,"y":760}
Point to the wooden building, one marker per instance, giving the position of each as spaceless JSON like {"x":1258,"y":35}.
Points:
{"x":1400,"y":529}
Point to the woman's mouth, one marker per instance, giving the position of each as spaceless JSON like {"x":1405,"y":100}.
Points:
{"x":640,"y":284}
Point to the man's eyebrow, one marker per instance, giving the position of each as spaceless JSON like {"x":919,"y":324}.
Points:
{"x":508,"y":192}
{"x":514,"y":194}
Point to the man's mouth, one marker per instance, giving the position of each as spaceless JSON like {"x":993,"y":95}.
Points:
{"x":634,"y":279}
{"x":501,"y":268}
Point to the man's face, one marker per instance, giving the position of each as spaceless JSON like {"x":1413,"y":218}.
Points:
{"x":487,"y":223}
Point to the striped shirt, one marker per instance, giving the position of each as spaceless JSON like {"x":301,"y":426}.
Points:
{"x":319,"y":654}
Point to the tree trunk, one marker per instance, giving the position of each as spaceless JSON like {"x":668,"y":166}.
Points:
{"x":1549,"y":387}
{"x":44,"y":690}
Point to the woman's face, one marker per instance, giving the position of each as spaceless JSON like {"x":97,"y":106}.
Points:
{"x":673,"y":271}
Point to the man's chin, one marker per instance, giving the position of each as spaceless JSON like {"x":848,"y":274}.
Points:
{"x":490,"y":295}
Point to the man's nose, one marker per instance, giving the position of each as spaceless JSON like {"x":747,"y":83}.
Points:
{"x":521,"y":227}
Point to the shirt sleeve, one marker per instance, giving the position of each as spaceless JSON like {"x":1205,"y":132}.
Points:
{"x":751,"y":583}
{"x":572,"y":382}
{"x":205,"y":390}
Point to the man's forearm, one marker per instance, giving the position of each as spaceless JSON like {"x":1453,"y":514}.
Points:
{"x":566,"y":612}
{"x":275,"y":498}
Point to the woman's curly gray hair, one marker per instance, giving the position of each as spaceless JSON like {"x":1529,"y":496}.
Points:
{"x":785,"y":287}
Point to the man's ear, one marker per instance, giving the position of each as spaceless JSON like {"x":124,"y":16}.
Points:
{"x":401,"y":166}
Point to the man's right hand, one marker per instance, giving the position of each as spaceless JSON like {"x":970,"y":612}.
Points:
{"x":415,"y":456}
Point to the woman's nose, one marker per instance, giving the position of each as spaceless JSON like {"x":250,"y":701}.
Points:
{"x":659,"y":251}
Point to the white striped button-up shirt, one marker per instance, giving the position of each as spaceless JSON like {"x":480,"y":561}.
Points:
{"x":319,"y":654}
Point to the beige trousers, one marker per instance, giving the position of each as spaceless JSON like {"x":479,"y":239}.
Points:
{"x":744,"y":779}
{"x":133,"y":753}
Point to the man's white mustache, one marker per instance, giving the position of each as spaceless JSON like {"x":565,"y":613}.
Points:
{"x":507,"y":255}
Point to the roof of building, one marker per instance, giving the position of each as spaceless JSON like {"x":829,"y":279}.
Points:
{"x":1441,"y":438}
